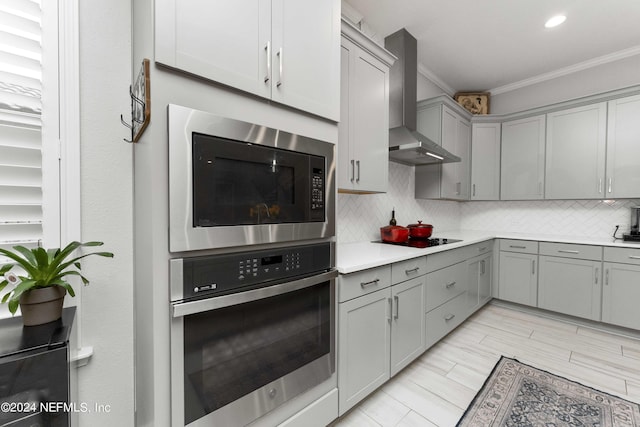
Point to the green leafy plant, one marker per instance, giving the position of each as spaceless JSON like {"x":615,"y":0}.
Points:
{"x":43,"y":268}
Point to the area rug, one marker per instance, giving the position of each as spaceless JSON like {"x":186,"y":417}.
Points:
{"x":519,"y":395}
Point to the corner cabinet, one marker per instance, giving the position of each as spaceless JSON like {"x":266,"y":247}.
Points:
{"x":575,"y":152}
{"x":448,"y":124}
{"x":284,"y":50}
{"x":522,"y":161}
{"x":623,"y":148}
{"x":363,"y":131}
{"x":518,"y":272}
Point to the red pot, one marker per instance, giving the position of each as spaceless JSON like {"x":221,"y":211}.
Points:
{"x":394,"y":234}
{"x":420,"y":230}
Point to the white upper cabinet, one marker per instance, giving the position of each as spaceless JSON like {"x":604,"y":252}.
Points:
{"x":445,"y":126}
{"x":284,"y":50}
{"x":485,"y":161}
{"x":623,"y":148}
{"x":575,"y":153}
{"x":522,"y":161}
{"x":363,"y":131}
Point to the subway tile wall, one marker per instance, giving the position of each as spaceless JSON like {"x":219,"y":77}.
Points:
{"x":359,"y":217}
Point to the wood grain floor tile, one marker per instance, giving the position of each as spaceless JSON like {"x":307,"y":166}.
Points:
{"x":435,"y":389}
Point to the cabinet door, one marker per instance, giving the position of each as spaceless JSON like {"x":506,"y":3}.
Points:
{"x":222,"y":41}
{"x":407,"y":327}
{"x":479,"y":281}
{"x":570,"y":286}
{"x":370,"y":121}
{"x":363,"y":343}
{"x":485,"y":161}
{"x":620,"y":295}
{"x":623,"y":148}
{"x":306,"y":55}
{"x":576,"y":145}
{"x":522,"y":161}
{"x":456,"y":138}
{"x":345,"y":172}
{"x":518,"y":278}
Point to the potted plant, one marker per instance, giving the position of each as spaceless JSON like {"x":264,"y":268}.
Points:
{"x":40,"y":291}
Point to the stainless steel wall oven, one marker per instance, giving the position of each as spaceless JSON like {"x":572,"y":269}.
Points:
{"x":234,"y":183}
{"x":249,"y":331}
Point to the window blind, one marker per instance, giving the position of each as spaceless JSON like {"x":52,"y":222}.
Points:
{"x":20,"y":122}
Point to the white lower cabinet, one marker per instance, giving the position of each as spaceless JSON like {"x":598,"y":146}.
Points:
{"x":378,"y":334}
{"x":444,"y":319}
{"x":363,"y":346}
{"x":407,"y":326}
{"x":518,"y":278}
{"x":480,"y":274}
{"x":620,"y":295}
{"x":570,"y":286}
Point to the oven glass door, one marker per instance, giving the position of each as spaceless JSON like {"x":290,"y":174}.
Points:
{"x":235,"y":183}
{"x":233,"y":351}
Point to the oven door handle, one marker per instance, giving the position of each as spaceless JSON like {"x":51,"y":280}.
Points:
{"x":192,"y":307}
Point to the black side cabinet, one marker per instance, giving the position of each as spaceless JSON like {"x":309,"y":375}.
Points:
{"x":35,"y":373}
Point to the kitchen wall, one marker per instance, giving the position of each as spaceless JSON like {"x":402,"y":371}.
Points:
{"x":360,"y":216}
{"x":576,"y":218}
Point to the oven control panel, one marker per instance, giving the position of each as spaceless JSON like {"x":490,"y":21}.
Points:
{"x":223,"y":274}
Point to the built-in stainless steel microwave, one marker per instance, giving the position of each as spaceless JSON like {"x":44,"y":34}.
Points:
{"x":233,"y":183}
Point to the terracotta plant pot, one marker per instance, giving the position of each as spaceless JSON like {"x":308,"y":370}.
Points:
{"x":43,"y":305}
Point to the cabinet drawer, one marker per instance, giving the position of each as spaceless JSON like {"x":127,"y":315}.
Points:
{"x":568,"y":250}
{"x":521,"y":246}
{"x":623,"y":255}
{"x":444,"y":319}
{"x":405,"y":270}
{"x":479,"y":248}
{"x":444,"y":259}
{"x":363,"y":282}
{"x":445,"y":284}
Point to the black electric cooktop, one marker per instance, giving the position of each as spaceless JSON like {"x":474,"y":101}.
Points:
{"x":422,"y":243}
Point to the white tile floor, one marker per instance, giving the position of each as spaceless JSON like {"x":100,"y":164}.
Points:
{"x":437,"y":388}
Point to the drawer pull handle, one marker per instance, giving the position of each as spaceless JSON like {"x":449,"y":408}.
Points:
{"x":413,"y":270}
{"x":564,"y":251}
{"x":517,"y":247}
{"x":634,"y":257}
{"x":449,"y":285}
{"x":449,"y":317}
{"x":484,"y":248}
{"x":365,"y":284}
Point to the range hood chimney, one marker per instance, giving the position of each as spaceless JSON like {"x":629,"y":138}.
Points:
{"x":406,"y":145}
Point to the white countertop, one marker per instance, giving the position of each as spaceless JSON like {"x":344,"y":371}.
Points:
{"x":352,"y":257}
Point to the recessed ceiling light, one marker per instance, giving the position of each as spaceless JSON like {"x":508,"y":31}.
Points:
{"x":555,"y":21}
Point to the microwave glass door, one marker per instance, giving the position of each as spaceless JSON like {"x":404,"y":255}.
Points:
{"x":236,"y":183}
{"x":233,"y":351}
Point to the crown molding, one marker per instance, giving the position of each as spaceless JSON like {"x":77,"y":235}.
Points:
{"x":427,"y":73}
{"x":601,"y":60}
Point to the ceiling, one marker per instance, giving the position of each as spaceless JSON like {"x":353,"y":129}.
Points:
{"x":496,"y":45}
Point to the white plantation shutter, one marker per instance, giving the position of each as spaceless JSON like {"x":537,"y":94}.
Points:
{"x":20,"y":123}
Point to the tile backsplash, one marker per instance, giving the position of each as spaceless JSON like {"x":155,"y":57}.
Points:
{"x":360,"y":216}
{"x":578,"y":218}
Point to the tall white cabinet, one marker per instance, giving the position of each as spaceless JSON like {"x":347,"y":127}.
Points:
{"x":363,"y":138}
{"x":575,"y":152}
{"x":485,"y":161}
{"x":284,"y":50}
{"x":623,"y":148}
{"x":522,"y":161}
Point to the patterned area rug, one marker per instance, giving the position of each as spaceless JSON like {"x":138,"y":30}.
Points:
{"x":518,"y":395}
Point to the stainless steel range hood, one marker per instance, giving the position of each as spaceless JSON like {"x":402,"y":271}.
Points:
{"x":406,"y":145}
